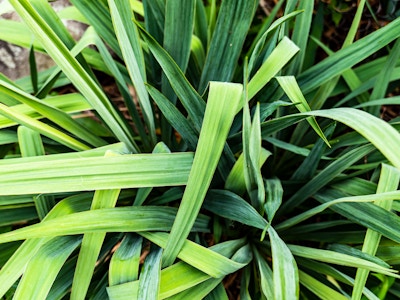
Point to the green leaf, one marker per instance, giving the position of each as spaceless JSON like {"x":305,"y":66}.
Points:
{"x":16,"y":265}
{"x":309,"y":166}
{"x":382,"y":135}
{"x":178,"y":30}
{"x":266,"y":275}
{"x":318,"y":288}
{"x":33,"y":69}
{"x":129,"y":42}
{"x":174,"y":280}
{"x":200,"y":23}
{"x":120,"y":219}
{"x":201,"y":290}
{"x":366,"y":214}
{"x":191,"y":100}
{"x":262,"y":36}
{"x":149,"y":282}
{"x":207,"y":260}
{"x":74,"y":70}
{"x":31,"y":144}
{"x":222,"y":102}
{"x":273,"y":201}
{"x":388,"y":181}
{"x":42,"y":128}
{"x":230,"y":206}
{"x":252,"y":155}
{"x":383,"y":78}
{"x":99,"y":17}
{"x":285,"y":272}
{"x":118,"y":72}
{"x":218,"y":293}
{"x":326,"y":176}
{"x":181,"y":276}
{"x":234,"y":19}
{"x":175,"y":117}
{"x":342,"y":60}
{"x":340,"y":259}
{"x":291,"y":88}
{"x":43,"y":268}
{"x":58,"y":174}
{"x":143,"y":193}
{"x":301,"y":33}
{"x":279,"y":57}
{"x":235,"y":181}
{"x":124,"y":264}
{"x":91,"y":245}
{"x":68,"y":103}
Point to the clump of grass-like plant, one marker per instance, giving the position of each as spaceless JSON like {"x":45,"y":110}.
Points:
{"x":241,"y":157}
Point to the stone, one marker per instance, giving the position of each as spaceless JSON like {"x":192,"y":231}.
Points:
{"x":14,"y":60}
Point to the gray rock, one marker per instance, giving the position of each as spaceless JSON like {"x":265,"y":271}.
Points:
{"x":14,"y":61}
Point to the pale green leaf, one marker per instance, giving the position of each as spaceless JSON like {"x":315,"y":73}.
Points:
{"x":204,"y":259}
{"x":129,"y":42}
{"x":124,"y":264}
{"x":339,"y":259}
{"x":285,"y":272}
{"x":279,"y":57}
{"x":120,"y":219}
{"x":149,"y":281}
{"x":15,"y":266}
{"x":235,"y":181}
{"x":43,"y":268}
{"x":274,"y":191}
{"x":388,"y":181}
{"x":58,"y":174}
{"x":266,"y":275}
{"x":318,"y":288}
{"x":91,"y":245}
{"x":291,"y":88}
{"x":74,"y":70}
{"x":221,"y":107}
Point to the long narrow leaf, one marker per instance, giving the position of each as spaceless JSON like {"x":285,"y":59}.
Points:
{"x":348,"y":57}
{"x":149,"y":282}
{"x":229,"y":205}
{"x":129,"y":42}
{"x":340,"y":259}
{"x":285,"y":272}
{"x":190,"y":99}
{"x":179,"y":22}
{"x":234,"y":18}
{"x":90,"y":247}
{"x":41,"y":127}
{"x":223,"y":100}
{"x":31,"y":144}
{"x":124,"y":264}
{"x":121,"y":219}
{"x":181,"y":276}
{"x":68,"y":103}
{"x":15,"y":266}
{"x":92,"y":173}
{"x":75,"y":72}
{"x":289,"y":85}
{"x":209,"y":261}
{"x":57,"y":116}
{"x":388,"y":181}
{"x":44,"y":267}
{"x":321,"y":290}
{"x":279,"y":57}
